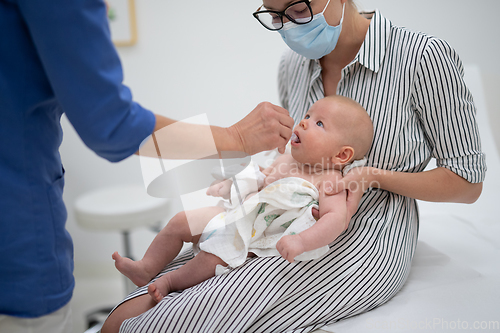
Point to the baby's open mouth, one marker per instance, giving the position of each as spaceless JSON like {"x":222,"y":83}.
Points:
{"x":295,"y":138}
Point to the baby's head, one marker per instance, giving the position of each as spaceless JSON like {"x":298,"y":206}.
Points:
{"x":335,"y":131}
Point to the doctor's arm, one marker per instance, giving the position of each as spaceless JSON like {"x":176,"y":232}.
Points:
{"x":72,"y":41}
{"x":267,"y":127}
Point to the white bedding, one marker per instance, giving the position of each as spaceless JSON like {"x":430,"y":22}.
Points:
{"x":454,"y":283}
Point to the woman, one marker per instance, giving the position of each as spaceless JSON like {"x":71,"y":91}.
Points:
{"x":412,"y":87}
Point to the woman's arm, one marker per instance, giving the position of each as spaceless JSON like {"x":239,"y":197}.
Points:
{"x":437,"y":185}
{"x":446,"y":113}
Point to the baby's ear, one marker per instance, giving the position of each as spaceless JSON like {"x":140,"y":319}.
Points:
{"x":345,"y":155}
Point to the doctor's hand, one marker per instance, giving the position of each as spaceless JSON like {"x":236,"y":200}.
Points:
{"x":267,"y":127}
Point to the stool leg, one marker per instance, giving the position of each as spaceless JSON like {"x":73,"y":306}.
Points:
{"x":126,"y":243}
{"x":129,"y":285}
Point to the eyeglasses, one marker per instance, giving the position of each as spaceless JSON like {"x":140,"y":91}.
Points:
{"x":299,"y":12}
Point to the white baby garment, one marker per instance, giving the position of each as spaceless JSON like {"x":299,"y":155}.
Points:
{"x":282,"y":208}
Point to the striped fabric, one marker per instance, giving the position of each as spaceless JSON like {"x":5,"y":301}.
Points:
{"x":411,"y":85}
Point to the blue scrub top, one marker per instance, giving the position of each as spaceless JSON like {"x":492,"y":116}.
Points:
{"x":55,"y":57}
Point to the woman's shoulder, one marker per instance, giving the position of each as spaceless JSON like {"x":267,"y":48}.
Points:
{"x":415,"y":46}
{"x":415,"y":39}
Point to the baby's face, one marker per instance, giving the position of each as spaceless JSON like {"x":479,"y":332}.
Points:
{"x":317,"y":138}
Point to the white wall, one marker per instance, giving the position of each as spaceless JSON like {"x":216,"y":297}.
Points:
{"x":213,"y":57}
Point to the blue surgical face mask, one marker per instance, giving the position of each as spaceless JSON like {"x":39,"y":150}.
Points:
{"x":312,"y":40}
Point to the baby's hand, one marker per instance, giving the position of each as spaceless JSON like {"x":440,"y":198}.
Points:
{"x":220,"y":188}
{"x":290,"y":246}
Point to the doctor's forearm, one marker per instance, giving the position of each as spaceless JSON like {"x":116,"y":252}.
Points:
{"x":226,"y":139}
{"x":188,"y":141}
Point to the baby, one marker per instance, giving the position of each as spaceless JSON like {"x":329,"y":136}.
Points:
{"x":278,"y":219}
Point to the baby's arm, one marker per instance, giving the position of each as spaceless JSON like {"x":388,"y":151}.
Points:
{"x":220,"y":188}
{"x":332,"y":222}
{"x":247,"y":182}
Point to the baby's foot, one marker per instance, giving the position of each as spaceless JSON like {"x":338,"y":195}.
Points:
{"x":159,"y":289}
{"x":131,"y":269}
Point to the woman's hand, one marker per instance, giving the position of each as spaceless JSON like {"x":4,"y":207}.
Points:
{"x":356,"y":182}
{"x":267,"y":127}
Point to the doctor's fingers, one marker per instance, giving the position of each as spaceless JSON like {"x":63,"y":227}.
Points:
{"x":275,"y":112}
{"x":285,"y":132}
{"x":285,"y":118}
{"x":282,"y":145}
{"x":286,"y":127}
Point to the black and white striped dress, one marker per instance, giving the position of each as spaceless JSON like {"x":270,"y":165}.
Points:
{"x":411,"y":85}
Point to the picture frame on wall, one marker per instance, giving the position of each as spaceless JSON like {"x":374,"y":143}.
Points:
{"x":122,"y":22}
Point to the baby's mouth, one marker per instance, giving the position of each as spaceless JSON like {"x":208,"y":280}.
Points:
{"x":295,"y":138}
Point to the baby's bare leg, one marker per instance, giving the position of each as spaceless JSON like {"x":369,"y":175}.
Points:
{"x":183,"y":227}
{"x":198,"y":269}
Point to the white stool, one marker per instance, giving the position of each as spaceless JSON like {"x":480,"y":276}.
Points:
{"x":121,"y":208}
